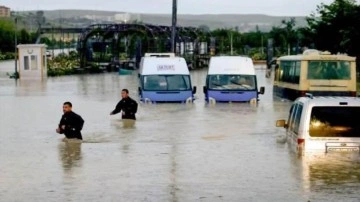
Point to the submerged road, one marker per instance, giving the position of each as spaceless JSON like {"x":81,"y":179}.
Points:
{"x":175,"y":152}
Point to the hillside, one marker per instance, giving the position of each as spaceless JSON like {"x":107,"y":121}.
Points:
{"x":243,"y":22}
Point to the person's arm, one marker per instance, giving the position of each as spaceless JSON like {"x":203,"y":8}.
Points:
{"x":60,"y":129}
{"x":135,"y":107}
{"x":79,"y":123}
{"x":117,"y":109}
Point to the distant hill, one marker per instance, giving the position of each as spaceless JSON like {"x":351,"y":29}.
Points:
{"x":243,"y":22}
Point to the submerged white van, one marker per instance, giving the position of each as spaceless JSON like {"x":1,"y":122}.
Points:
{"x":160,"y":55}
{"x":323,"y":124}
{"x":165,"y":79}
{"x":231,"y":79}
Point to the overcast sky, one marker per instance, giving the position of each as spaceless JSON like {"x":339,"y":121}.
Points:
{"x":270,"y":7}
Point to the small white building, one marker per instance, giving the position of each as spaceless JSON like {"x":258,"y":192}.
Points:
{"x":122,"y":17}
{"x":126,"y":18}
{"x":32,"y":61}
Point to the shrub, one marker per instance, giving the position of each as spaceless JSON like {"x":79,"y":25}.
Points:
{"x":62,"y":65}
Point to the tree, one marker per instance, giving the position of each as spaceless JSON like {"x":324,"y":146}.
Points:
{"x":334,"y":27}
{"x":7,"y":34}
{"x":24,"y":37}
{"x":40,"y":18}
{"x":204,"y":28}
{"x":254,"y":39}
{"x":224,"y":37}
{"x":285,"y":36}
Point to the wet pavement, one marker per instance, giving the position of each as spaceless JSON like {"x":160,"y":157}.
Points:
{"x":175,"y":152}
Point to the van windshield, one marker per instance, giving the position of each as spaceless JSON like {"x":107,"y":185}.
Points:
{"x":231,"y":82}
{"x":167,"y":82}
{"x":335,"y":122}
{"x":326,"y":70}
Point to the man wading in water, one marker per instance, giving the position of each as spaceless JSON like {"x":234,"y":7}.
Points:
{"x":128,"y":107}
{"x":71,"y":123}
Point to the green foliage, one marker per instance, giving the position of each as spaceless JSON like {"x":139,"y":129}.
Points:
{"x":67,"y":64}
{"x":24,"y":37}
{"x":334,"y":27}
{"x":63,"y":64}
{"x":259,"y":56}
{"x":204,"y":28}
{"x":47,"y":41}
{"x":7,"y":56}
{"x":286,"y":36}
{"x":249,"y":43}
{"x":7,"y":35}
{"x":94,"y":68}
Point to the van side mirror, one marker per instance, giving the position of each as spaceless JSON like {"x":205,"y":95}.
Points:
{"x":281,"y":123}
{"x":139,"y":89}
{"x":194,"y":90}
{"x":262,"y":90}
{"x":205,"y":89}
{"x":138,"y":75}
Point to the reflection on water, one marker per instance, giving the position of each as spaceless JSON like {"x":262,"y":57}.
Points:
{"x":331,"y":175}
{"x":128,"y":123}
{"x":70,"y":154}
{"x":174,"y":152}
{"x":126,"y":131}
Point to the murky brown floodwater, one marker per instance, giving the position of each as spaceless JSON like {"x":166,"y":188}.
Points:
{"x":226,"y":152}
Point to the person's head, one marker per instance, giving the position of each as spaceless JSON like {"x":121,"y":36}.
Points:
{"x":124,"y":93}
{"x":67,"y":107}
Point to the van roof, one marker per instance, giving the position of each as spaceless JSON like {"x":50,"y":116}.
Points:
{"x":164,"y":66}
{"x":231,"y":65}
{"x":329,"y":100}
{"x":159,"y":54}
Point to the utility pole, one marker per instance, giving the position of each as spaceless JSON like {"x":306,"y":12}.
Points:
{"x":174,"y":22}
{"x":16,"y":55}
{"x":288,"y":49}
{"x":231,"y":43}
{"x":53,"y":42}
{"x":61,"y":33}
{"x":262,"y":44}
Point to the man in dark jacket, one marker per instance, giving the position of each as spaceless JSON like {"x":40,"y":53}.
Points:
{"x":71,"y":123}
{"x":127,"y":106}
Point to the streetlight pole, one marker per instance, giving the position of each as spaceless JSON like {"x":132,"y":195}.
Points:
{"x":231,"y":43}
{"x":174,"y":22}
{"x":16,"y":56}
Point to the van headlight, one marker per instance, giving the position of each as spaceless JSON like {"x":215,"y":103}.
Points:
{"x":212,"y":100}
{"x":253,"y":101}
{"x":147,"y":101}
{"x":189,"y":100}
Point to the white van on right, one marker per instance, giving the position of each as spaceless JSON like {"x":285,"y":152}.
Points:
{"x":327,"y":124}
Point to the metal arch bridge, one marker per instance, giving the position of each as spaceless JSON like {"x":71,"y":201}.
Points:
{"x":192,"y":43}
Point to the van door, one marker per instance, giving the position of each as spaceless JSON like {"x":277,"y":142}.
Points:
{"x":290,"y":122}
{"x":334,"y":128}
{"x":293,"y":127}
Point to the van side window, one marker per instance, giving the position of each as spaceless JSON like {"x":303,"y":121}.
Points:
{"x":291,"y":116}
{"x":297,"y":118}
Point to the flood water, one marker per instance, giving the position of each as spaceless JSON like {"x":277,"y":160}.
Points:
{"x":175,"y":152}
